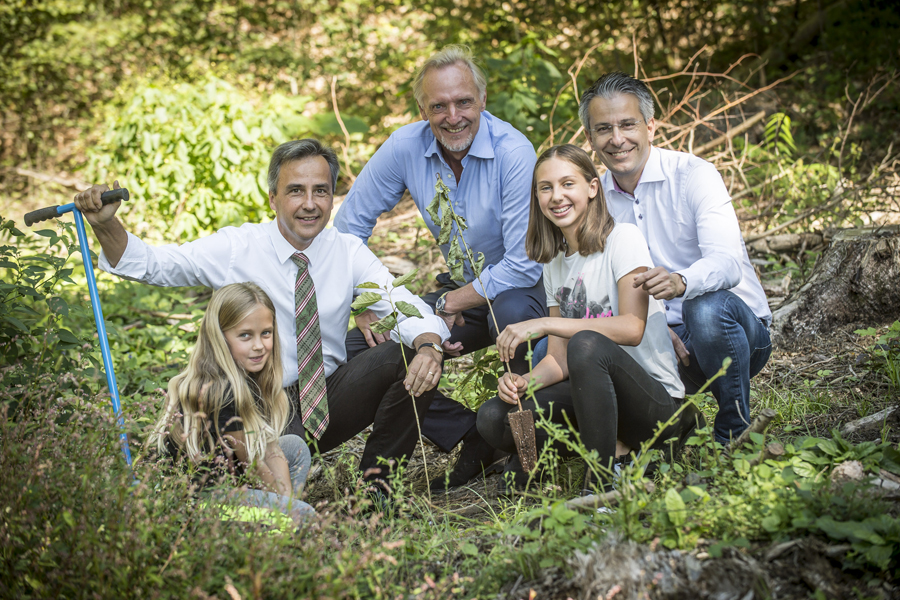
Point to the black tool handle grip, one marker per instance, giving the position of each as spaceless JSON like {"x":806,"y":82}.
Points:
{"x":51,"y":212}
{"x":114,"y":196}
{"x":41,"y":214}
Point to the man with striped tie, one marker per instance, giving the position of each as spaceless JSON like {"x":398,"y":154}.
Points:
{"x":311,"y":274}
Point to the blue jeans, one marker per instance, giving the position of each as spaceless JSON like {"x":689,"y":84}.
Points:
{"x":716,"y":325}
{"x":719,"y":325}
{"x":299,"y":460}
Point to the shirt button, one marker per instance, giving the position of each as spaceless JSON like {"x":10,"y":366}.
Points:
{"x":640,"y":216}
{"x":636,"y":201}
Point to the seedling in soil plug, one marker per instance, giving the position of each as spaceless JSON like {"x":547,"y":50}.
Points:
{"x":441,"y":212}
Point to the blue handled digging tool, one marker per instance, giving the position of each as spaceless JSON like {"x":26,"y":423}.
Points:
{"x":51,"y":212}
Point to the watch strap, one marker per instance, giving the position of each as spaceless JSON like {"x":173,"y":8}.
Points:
{"x":430,"y":345}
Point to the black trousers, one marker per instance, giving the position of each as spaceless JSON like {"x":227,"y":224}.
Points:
{"x":369,"y":390}
{"x":608,"y":396}
{"x":447,"y":421}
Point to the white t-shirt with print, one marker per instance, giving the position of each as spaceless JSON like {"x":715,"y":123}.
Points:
{"x":585,"y":287}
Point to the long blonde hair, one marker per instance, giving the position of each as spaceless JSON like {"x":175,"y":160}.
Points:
{"x":196,"y":396}
{"x":543,"y":239}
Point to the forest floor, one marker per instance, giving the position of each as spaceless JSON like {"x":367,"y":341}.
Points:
{"x":817,"y":387}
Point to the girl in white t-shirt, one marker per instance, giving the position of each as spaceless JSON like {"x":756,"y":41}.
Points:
{"x":610,"y":365}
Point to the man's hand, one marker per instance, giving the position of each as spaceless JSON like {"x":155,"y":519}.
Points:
{"x":453,"y":319}
{"x":515,"y":334}
{"x":364,"y":321}
{"x":511,"y":387}
{"x":454,"y":349}
{"x":660,"y":284}
{"x":681,"y":350}
{"x":91,"y":206}
{"x":424,"y":371}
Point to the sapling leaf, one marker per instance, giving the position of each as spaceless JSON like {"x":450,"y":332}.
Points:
{"x":479,"y":265}
{"x":433,"y":209}
{"x":446,"y":227}
{"x":385,"y":325}
{"x":408,"y":309}
{"x":455,"y":261}
{"x":404,"y":279}
{"x":365,"y":300}
{"x":67,"y":337}
{"x":460,"y":222}
{"x":368,"y":285}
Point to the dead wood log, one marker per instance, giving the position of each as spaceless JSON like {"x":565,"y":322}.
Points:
{"x":855,"y":280}
{"x":786,"y":242}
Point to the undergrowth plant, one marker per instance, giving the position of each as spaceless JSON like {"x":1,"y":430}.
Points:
{"x":389,"y":323}
{"x":885,"y":352}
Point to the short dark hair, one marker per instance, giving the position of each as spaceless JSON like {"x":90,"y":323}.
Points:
{"x":298,"y":150}
{"x":612,"y":84}
{"x":543,"y":239}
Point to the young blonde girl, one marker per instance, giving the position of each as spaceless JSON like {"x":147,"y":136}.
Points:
{"x":225,"y":412}
{"x":610,"y":365}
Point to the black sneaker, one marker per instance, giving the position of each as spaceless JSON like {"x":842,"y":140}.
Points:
{"x":477,"y":457}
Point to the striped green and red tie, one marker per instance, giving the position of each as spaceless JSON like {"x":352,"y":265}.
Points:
{"x":310,"y":366}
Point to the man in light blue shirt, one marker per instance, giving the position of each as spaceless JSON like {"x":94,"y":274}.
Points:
{"x":487,"y":165}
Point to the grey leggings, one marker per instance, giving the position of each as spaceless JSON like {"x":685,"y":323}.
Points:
{"x":298,"y":458}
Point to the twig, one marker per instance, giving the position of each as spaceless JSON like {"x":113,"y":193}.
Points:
{"x":595,"y":501}
{"x":734,"y":132}
{"x":337,"y":114}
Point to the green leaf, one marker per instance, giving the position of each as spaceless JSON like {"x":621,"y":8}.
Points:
{"x":46,"y":233}
{"x":67,"y":337}
{"x":469,"y":548}
{"x":404,"y":279}
{"x":455,"y":261}
{"x":365,"y":300}
{"x":368,"y":285}
{"x":16,"y":323}
{"x":675,"y":507}
{"x":67,"y":517}
{"x":408,"y":309}
{"x":385,"y":325}
{"x":58,"y":305}
{"x":479,"y":265}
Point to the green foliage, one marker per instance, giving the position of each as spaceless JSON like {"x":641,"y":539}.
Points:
{"x":778,"y":137}
{"x":885,"y":352}
{"x":195,"y":156}
{"x":440,"y":209}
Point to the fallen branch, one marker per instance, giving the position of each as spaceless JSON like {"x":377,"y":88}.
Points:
{"x":70,"y":182}
{"x":734,"y":132}
{"x":595,"y":501}
{"x":866,"y":422}
{"x":836,"y":198}
{"x":759,"y":425}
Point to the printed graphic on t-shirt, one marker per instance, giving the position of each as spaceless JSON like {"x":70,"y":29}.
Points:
{"x":574,"y":303}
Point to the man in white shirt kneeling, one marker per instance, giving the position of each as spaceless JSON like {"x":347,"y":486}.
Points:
{"x":340,"y":398}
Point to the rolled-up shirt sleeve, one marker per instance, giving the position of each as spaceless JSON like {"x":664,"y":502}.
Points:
{"x":718,"y":234}
{"x":367,"y":268}
{"x":514,"y":270}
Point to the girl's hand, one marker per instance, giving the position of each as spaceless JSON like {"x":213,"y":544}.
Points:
{"x":511,"y":387}
{"x":516,"y":334}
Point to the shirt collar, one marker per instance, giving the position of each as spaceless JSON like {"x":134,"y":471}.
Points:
{"x":284,"y":250}
{"x":481,"y":146}
{"x":652,"y":172}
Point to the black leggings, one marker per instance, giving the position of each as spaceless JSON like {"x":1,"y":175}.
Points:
{"x":608,"y":396}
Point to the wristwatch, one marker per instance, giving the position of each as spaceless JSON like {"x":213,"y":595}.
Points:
{"x":431,"y":345}
{"x":440,"y":304}
{"x":684,"y":281}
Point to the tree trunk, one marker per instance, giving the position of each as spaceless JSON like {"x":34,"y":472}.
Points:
{"x":855,"y":280}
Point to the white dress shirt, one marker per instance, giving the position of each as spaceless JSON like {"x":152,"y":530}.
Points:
{"x":684,"y":211}
{"x":255,"y":252}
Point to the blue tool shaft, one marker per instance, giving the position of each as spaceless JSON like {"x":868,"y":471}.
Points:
{"x":101,"y":325}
